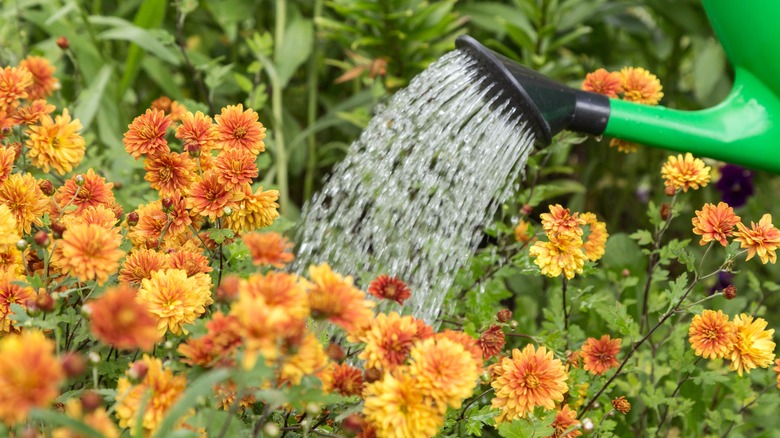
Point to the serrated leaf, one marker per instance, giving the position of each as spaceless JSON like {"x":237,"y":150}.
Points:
{"x":710,"y":377}
{"x":219,"y":235}
{"x":643,"y":237}
{"x":619,"y":320}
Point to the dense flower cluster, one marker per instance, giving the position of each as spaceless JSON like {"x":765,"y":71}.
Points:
{"x":745,"y":340}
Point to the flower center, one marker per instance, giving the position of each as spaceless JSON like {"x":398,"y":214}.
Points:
{"x":531,"y":381}
{"x":239,"y":132}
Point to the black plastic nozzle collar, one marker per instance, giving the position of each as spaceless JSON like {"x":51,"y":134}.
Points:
{"x":550,"y":106}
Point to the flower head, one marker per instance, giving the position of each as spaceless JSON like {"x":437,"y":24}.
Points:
{"x":389,"y":288}
{"x":56,"y":144}
{"x":712,"y":335}
{"x":599,"y":355}
{"x":170,"y":172}
{"x":279,"y":289}
{"x":235,"y":167}
{"x":146,"y":134}
{"x":715,"y":223}
{"x":239,"y":129}
{"x":305,"y":358}
{"x":604,"y":82}
{"x":21,"y":194}
{"x":268,"y":249}
{"x":208,"y":197}
{"x":621,"y":405}
{"x":444,"y":371}
{"x":563,"y":254}
{"x":641,"y":86}
{"x":254,"y":211}
{"x":344,"y":379}
{"x":562,"y":221}
{"x":596,"y":242}
{"x":83,"y":191}
{"x":491,"y":342}
{"x":14,"y":83}
{"x":528,"y":379}
{"x":9,"y":233}
{"x":140,"y":264}
{"x":627,"y":147}
{"x":44,"y":83}
{"x":7,"y":158}
{"x":566,"y":424}
{"x":197,"y":132}
{"x":470,"y":344}
{"x":334,"y":298}
{"x":685,"y":172}
{"x":522,"y":233}
{"x":116,"y":319}
{"x":90,"y":252}
{"x":32,"y":112}
{"x":762,"y":239}
{"x":174,"y":299}
{"x":753,"y":347}
{"x":389,"y":339}
{"x":399,"y":409}
{"x":97,"y":419}
{"x":11,"y":293}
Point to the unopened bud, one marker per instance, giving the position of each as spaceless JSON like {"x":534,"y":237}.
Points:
{"x":21,"y":245}
{"x":193,"y":149}
{"x":57,"y":228}
{"x":6,"y":131}
{"x":227,"y":211}
{"x":79,"y":180}
{"x":313,"y":408}
{"x":670,"y":191}
{"x":46,"y":187}
{"x":137,"y":371}
{"x":167,"y":204}
{"x":504,"y":315}
{"x":353,"y":424}
{"x":626,"y":272}
{"x":621,"y":405}
{"x":63,"y":43}
{"x":31,"y":307}
{"x":527,"y":210}
{"x":41,"y":238}
{"x":29,"y":432}
{"x":132,"y":219}
{"x":45,"y":302}
{"x":372,"y":375}
{"x":587,"y":424}
{"x":513,"y":325}
{"x":118,"y":185}
{"x":730,"y":292}
{"x":666,"y":211}
{"x":271,"y":430}
{"x":73,"y":364}
{"x":90,"y":400}
{"x":93,"y":358}
{"x":335,"y":352}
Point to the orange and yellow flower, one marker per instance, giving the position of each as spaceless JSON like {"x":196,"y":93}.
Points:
{"x":641,"y":86}
{"x":7,"y":158}
{"x":334,"y":298}
{"x":715,"y":223}
{"x":197,"y":133}
{"x":469,"y":343}
{"x":305,"y":359}
{"x":14,"y":85}
{"x":208,"y":197}
{"x":254,"y":211}
{"x":32,"y":112}
{"x":712,"y":335}
{"x":170,"y":172}
{"x":174,"y":299}
{"x":563,"y":254}
{"x":268,"y":249}
{"x":762,"y":239}
{"x":604,"y":82}
{"x":89,"y":252}
{"x":344,"y":379}
{"x":599,"y":355}
{"x":43,"y":81}
{"x":596,"y":243}
{"x":566,"y":424}
{"x":753,"y":347}
{"x":627,"y":147}
{"x":398,"y":409}
{"x":386,"y":287}
{"x":685,"y":172}
{"x":9,"y":231}
{"x":97,"y":419}
{"x":522,"y":232}
{"x":146,"y":135}
{"x":20,"y":192}
{"x":491,"y":341}
{"x":239,"y":129}
{"x":56,"y":144}
{"x":11,"y":293}
{"x":116,"y":319}
{"x":444,"y":371}
{"x":389,"y":338}
{"x":84,"y":191}
{"x":561,"y":220}
{"x":235,"y":167}
{"x":279,"y":289}
{"x":140,"y":264}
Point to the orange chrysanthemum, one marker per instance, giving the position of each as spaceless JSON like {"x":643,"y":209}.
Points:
{"x":596,"y":242}
{"x":14,"y":85}
{"x":491,"y":342}
{"x":565,"y":424}
{"x":522,"y":232}
{"x":226,"y":394}
{"x":152,"y":220}
{"x":469,"y":343}
{"x":32,"y":113}
{"x":563,"y":254}
{"x":762,"y":239}
{"x":621,"y":404}
{"x":627,"y":147}
{"x":386,"y":287}
{"x":146,"y":135}
{"x":279,"y":289}
{"x":218,"y":346}
{"x":604,"y":82}
{"x":11,"y":293}
{"x":118,"y":320}
{"x":641,"y":86}
{"x":44,"y":82}
{"x":174,"y":299}
{"x":20,"y":192}
{"x":346,"y":380}
{"x":30,"y":375}
{"x":268,"y":249}
{"x":170,"y":172}
{"x":444,"y":371}
{"x":254,"y":211}
{"x":159,"y":390}
{"x":715,"y":223}
{"x":528,"y":379}
{"x":334,"y":298}
{"x":239,"y":129}
{"x":9,"y":232}
{"x":397,"y":408}
{"x":192,"y":262}
{"x":208,"y":197}
{"x":753,"y":347}
{"x":685,"y":172}
{"x":90,"y":252}
{"x":235,"y":167}
{"x":197,"y":133}
{"x":561,"y":221}
{"x":56,"y":144}
{"x":712,"y":335}
{"x":84,"y":191}
{"x":389,"y":339}
{"x":599,"y":355}
{"x":140,"y":264}
{"x":7,"y":158}
{"x":304,"y":358}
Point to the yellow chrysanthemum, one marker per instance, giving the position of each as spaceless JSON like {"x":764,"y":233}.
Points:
{"x":641,"y":86}
{"x":397,"y":408}
{"x":89,"y":252}
{"x":174,"y":299}
{"x":9,"y":233}
{"x":754,"y":347}
{"x":685,"y":172}
{"x":20,"y":192}
{"x":254,"y":211}
{"x":563,"y":254}
{"x":596,"y":242}
{"x":309,"y":358}
{"x":56,"y":144}
{"x":11,"y":260}
{"x":712,"y":335}
{"x":444,"y":370}
{"x":97,"y":419}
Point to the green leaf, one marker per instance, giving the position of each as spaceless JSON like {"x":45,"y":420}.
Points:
{"x":524,"y":429}
{"x":708,"y":377}
{"x":477,"y":419}
{"x":219,"y":235}
{"x":200,"y":387}
{"x":295,"y":48}
{"x":56,"y":419}
{"x":619,"y":320}
{"x":142,"y":38}
{"x":643,"y":237}
{"x":678,"y":288}
{"x":89,"y":101}
{"x":150,"y":15}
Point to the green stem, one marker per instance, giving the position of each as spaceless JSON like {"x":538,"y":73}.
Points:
{"x":276,"y":102}
{"x":311,"y":164}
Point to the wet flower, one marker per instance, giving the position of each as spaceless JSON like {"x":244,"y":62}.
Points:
{"x":715,"y":223}
{"x":754,"y":347}
{"x":386,"y":287}
{"x":197,"y":132}
{"x":174,"y":299}
{"x":444,"y":371}
{"x":90,"y":252}
{"x":117,"y":319}
{"x":712,"y":335}
{"x":268,"y":249}
{"x":596,"y":242}
{"x":491,"y":342}
{"x":641,"y":86}
{"x":604,"y":82}
{"x":43,"y":81}
{"x":208,"y":197}
{"x":30,"y":375}
{"x":146,"y":134}
{"x":566,"y":424}
{"x":735,"y":185}
{"x":14,"y":83}
{"x":762,"y":239}
{"x":563,"y":254}
{"x":685,"y":172}
{"x":389,"y":338}
{"x":235,"y":167}
{"x":20,"y":192}
{"x":170,"y":172}
{"x":56,"y":144}
{"x":599,"y":355}
{"x":561,"y":221}
{"x":398,"y":408}
{"x":336,"y":299}
{"x":140,"y":264}
{"x":83,"y":191}
{"x":11,"y":293}
{"x":254,"y":211}
{"x":32,"y":112}
{"x":621,"y":405}
{"x":239,"y":129}
{"x":526,"y":380}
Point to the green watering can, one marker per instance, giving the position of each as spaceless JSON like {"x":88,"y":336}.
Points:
{"x":744,"y":129}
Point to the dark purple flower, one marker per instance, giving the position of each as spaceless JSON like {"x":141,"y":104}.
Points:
{"x":735,"y":185}
{"x":724,"y":280}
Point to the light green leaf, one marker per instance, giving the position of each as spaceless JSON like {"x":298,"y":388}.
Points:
{"x":144,"y":39}
{"x":295,"y":48}
{"x":89,"y":101}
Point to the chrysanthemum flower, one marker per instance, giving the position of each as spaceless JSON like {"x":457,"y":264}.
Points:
{"x":225,"y":393}
{"x":386,"y":287}
{"x":7,"y":158}
{"x":31,"y":113}
{"x":56,"y":144}
{"x":685,"y":172}
{"x":491,"y":342}
{"x":268,"y":249}
{"x":566,"y":424}
{"x":307,"y":358}
{"x":621,"y":405}
{"x":11,"y":260}
{"x":397,"y":408}
{"x":159,"y":390}
{"x":254,"y":211}
{"x":239,"y":129}
{"x":174,"y":299}
{"x":197,"y":132}
{"x":20,"y":192}
{"x":599,"y":355}
{"x":152,"y":220}
{"x":97,"y":419}
{"x":712,"y":335}
{"x":140,"y":264}
{"x":217,"y":346}
{"x":715,"y":223}
{"x":208,"y":197}
{"x":170,"y":172}
{"x":90,"y":252}
{"x":44,"y":82}
{"x":235,"y":167}
{"x":596,"y":242}
{"x":96,"y":215}
{"x":389,"y":339}
{"x":344,"y":379}
{"x":641,"y":86}
{"x":522,"y":233}
{"x":563,"y":254}
{"x":192,"y":262}
{"x":14,"y":83}
{"x":528,"y":379}
{"x":754,"y":347}
{"x":444,"y":371}
{"x":92,"y":191}
{"x":627,"y":147}
{"x":11,"y":293}
{"x":762,"y":239}
{"x":116,"y":319}
{"x":562,"y":221}
{"x":280,"y":289}
{"x":469,"y":343}
{"x":336,"y":299}
{"x":9,"y":233}
{"x":146,"y":134}
{"x":604,"y":82}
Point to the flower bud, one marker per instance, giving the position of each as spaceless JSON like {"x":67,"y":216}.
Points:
{"x":16,"y":146}
{"x":353,"y":424}
{"x":666,"y":211}
{"x":29,"y":432}
{"x":527,"y":210}
{"x":167,"y":204}
{"x":5,"y":132}
{"x":312,"y":408}
{"x":46,"y":187}
{"x":41,"y":238}
{"x":227,"y":211}
{"x":504,"y":315}
{"x":90,"y":400}
{"x":63,"y":43}
{"x":93,"y":357}
{"x":271,"y":430}
{"x":31,"y":307}
{"x":513,"y":325}
{"x":21,"y":245}
{"x":137,"y":371}
{"x":118,"y":185}
{"x":372,"y":375}
{"x":587,"y":424}
{"x":335,"y":352}
{"x":132,"y":219}
{"x":626,"y":272}
{"x":730,"y":292}
{"x":45,"y":302}
{"x":73,"y":364}
{"x":670,"y":191}
{"x":621,"y":405}
{"x":57,"y":228}
{"x":79,"y":180}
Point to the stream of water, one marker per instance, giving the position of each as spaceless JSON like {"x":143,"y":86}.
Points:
{"x":415,"y":190}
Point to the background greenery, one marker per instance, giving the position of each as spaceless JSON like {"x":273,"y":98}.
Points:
{"x":314,"y":70}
